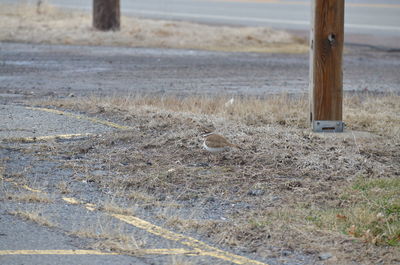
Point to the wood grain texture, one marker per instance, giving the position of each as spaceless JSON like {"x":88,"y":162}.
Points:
{"x":326,"y":77}
{"x":106,"y":14}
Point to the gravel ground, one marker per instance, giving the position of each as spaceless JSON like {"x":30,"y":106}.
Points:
{"x":40,"y":70}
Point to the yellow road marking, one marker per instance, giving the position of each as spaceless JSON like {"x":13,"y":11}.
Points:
{"x":71,"y":200}
{"x":282,"y":2}
{"x":55,"y":252}
{"x":199,"y":248}
{"x":21,"y":185}
{"x":373,"y":5}
{"x":139,"y":252}
{"x":47,"y":137}
{"x":89,"y":206}
{"x":166,"y":251}
{"x":202,"y":248}
{"x":31,"y":189}
{"x":82,"y":117}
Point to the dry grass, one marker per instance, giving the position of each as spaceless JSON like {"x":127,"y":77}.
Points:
{"x":286,"y":182}
{"x":376,"y":114}
{"x":34,"y":217}
{"x":26,"y":23}
{"x":110,"y":237}
{"x":31,"y":197}
{"x":112,"y":207}
{"x":63,"y":187}
{"x":2,"y":168}
{"x":104,"y":235}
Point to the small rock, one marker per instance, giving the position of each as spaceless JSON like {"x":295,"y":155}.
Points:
{"x":325,"y":256}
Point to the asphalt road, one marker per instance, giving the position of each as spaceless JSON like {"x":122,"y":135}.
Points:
{"x":39,"y":70}
{"x":371,"y":17}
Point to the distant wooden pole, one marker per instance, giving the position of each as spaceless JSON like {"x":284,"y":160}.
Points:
{"x":106,"y":14}
{"x":326,"y":78}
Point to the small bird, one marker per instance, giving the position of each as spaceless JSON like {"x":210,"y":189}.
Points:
{"x":216,"y":143}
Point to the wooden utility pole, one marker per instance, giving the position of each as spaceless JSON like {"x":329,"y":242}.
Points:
{"x":326,"y":77}
{"x":106,"y":14}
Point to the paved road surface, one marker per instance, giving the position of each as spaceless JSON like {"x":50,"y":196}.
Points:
{"x":372,"y":17}
{"x":41,"y":69}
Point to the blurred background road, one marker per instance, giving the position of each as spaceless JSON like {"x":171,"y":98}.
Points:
{"x":370,"y":17}
{"x":76,"y":70}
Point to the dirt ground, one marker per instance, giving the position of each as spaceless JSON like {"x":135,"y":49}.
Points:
{"x":284,"y":195}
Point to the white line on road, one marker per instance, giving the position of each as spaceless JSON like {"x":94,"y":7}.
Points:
{"x":253,"y":19}
{"x":220,"y":17}
{"x":237,"y":18}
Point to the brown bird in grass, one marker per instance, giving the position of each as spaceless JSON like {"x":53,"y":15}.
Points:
{"x":216,"y":143}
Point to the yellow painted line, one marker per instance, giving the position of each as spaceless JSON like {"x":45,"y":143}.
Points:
{"x":82,"y":117}
{"x":30,"y":189}
{"x":138,"y":252}
{"x":22,"y":186}
{"x":47,"y":137}
{"x":166,"y":251}
{"x":199,"y":248}
{"x":202,"y":248}
{"x":281,"y":2}
{"x":252,"y":1}
{"x":89,"y":206}
{"x":71,"y":200}
{"x":373,"y":5}
{"x":55,"y":252}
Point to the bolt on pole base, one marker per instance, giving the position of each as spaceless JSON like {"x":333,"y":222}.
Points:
{"x":327,"y":126}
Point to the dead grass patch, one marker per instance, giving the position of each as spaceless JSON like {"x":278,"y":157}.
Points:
{"x":63,"y":187}
{"x":107,"y":235}
{"x":111,"y":207}
{"x":376,"y":114}
{"x":31,"y":197}
{"x":110,"y":238}
{"x":327,"y":194}
{"x":27,"y":23}
{"x":34,"y":217}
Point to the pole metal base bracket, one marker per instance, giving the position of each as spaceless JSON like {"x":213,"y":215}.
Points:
{"x":327,"y":126}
